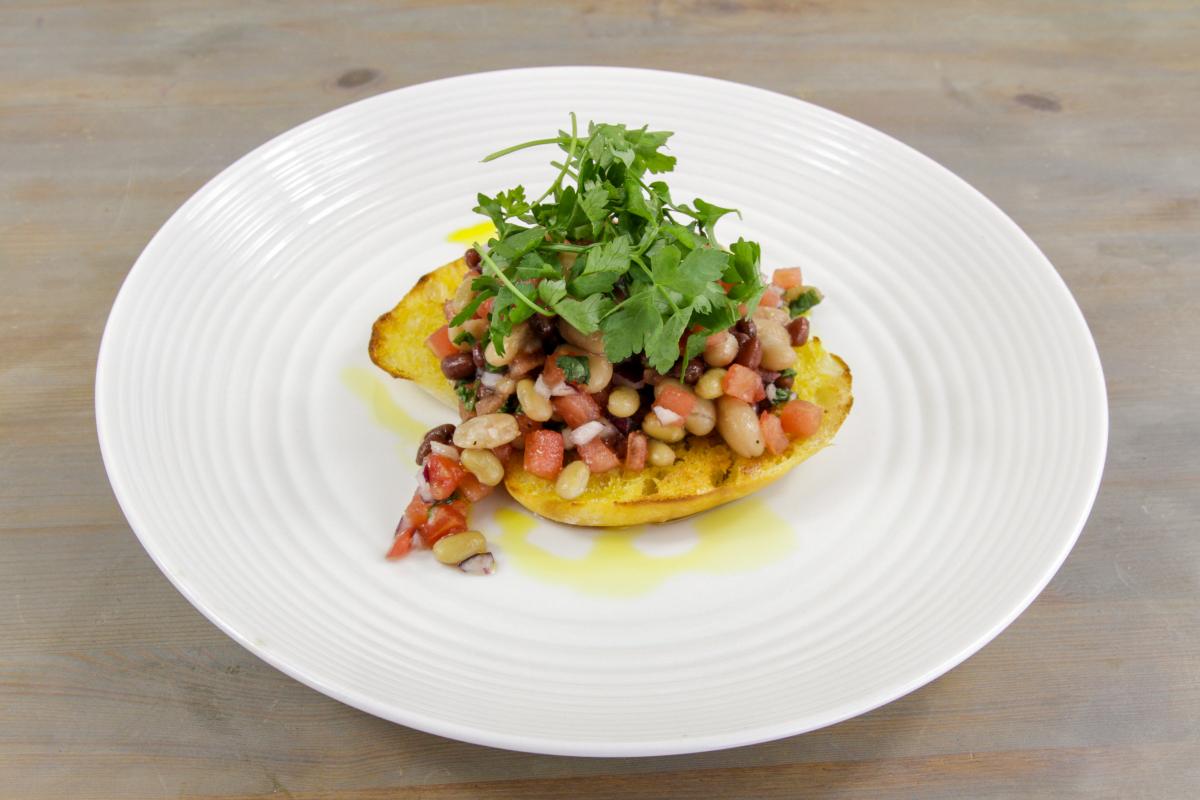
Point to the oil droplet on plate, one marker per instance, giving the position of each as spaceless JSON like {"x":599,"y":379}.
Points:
{"x":373,"y":391}
{"x":738,"y":537}
{"x":473,"y":233}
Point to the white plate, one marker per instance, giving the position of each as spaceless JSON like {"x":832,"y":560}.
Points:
{"x":263,"y":464}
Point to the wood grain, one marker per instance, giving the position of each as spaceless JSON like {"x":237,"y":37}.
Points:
{"x":1080,"y":119}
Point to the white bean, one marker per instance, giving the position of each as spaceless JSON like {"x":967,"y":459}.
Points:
{"x":777,"y":352}
{"x":486,"y":431}
{"x":702,"y":419}
{"x":535,"y":406}
{"x":514,"y":343}
{"x":623,"y":402}
{"x":655,"y":429}
{"x":711,"y":384}
{"x":600,"y":372}
{"x":721,"y":349}
{"x":592,"y":342}
{"x":484,"y":465}
{"x":738,"y":425}
{"x":458,"y":547}
{"x":659,"y":454}
{"x":573,"y":480}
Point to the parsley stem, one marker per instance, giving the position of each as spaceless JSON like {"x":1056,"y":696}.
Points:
{"x":569,"y":172}
{"x":521,"y":146}
{"x":499,"y":273}
{"x":554,"y":187}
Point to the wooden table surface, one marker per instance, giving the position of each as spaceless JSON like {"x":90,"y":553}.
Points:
{"x":1080,"y":119}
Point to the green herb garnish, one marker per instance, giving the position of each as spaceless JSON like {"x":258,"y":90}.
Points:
{"x":647,"y":271}
{"x":807,"y":299}
{"x":575,"y":368}
{"x":466,"y":393}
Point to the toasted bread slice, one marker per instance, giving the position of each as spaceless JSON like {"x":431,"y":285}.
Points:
{"x":706,"y":473}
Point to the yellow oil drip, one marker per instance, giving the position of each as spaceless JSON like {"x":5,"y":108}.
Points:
{"x":372,"y":389}
{"x":734,"y":538}
{"x":473,"y":233}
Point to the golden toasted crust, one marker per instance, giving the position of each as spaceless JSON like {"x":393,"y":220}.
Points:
{"x":706,"y":473}
{"x":398,"y":337}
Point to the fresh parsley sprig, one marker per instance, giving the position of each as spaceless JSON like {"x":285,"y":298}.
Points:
{"x":647,"y":271}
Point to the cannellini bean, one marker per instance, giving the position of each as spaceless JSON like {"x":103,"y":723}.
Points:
{"x":573,"y":480}
{"x":592,"y":342}
{"x":520,"y":338}
{"x":738,"y":425}
{"x":535,"y":406}
{"x":458,"y":547}
{"x":709,"y":386}
{"x":777,"y":352}
{"x":653,"y":427}
{"x":702,"y":419}
{"x":600,"y":372}
{"x":623,"y":402}
{"x":484,"y":465}
{"x":660,"y":454}
{"x":765,"y":314}
{"x":721,"y":349}
{"x":486,"y":431}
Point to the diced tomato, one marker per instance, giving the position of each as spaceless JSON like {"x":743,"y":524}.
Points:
{"x":485,"y":308}
{"x":598,"y":456}
{"x":504,"y":452}
{"x":443,"y":521}
{"x":552,"y":374}
{"x":525,"y":424}
{"x":743,"y":383}
{"x":523,"y":364}
{"x":771,"y":298}
{"x":677,"y":399}
{"x":460,"y":506}
{"x":443,"y":475}
{"x":439,"y":342}
{"x":635,"y":451}
{"x":772,"y":431}
{"x":801,"y":418}
{"x":402,"y":543}
{"x":787,"y":278}
{"x":472,"y":489}
{"x":725,"y":287}
{"x":576,"y":409}
{"x":417,"y":511}
{"x":544,"y":453}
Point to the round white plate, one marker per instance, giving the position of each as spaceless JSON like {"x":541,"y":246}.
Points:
{"x":263,"y":462}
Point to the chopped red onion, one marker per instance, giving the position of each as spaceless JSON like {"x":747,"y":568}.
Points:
{"x":667,"y":417}
{"x":481,"y":564}
{"x":586,"y":432}
{"x":443,"y":449}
